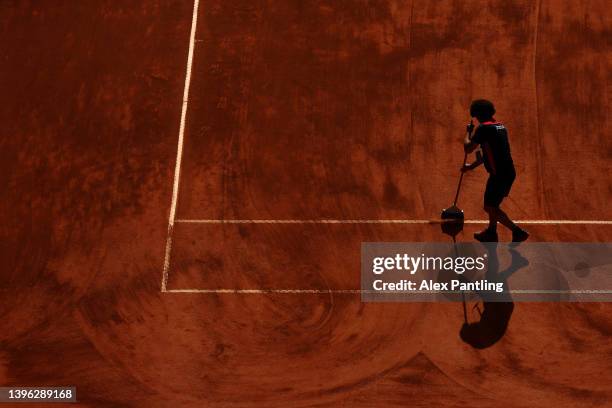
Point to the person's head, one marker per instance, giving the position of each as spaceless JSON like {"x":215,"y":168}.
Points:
{"x":482,"y":110}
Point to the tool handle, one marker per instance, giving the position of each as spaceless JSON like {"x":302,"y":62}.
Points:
{"x":460,"y":180}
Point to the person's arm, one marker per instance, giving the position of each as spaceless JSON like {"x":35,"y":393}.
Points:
{"x":468,"y":145}
{"x":473,"y":165}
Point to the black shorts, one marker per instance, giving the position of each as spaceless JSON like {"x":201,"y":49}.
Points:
{"x":498,"y":187}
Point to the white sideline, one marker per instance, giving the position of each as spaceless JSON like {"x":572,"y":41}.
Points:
{"x":365,"y":221}
{"x":179,"y":150}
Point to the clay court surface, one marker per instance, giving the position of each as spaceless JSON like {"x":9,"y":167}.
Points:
{"x":301,"y":116}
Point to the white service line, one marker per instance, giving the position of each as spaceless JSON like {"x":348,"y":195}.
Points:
{"x":265,"y":291}
{"x":361,"y":291}
{"x":407,"y":221}
{"x":303,"y":221}
{"x":179,"y":150}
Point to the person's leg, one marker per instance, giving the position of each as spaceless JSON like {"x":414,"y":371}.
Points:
{"x":504,"y":220}
{"x":497,"y":189}
{"x":518,"y":234}
{"x":493,"y":218}
{"x":491,"y":196}
{"x":489,"y":234}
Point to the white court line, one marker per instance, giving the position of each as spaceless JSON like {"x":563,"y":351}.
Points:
{"x":264,"y":291}
{"x":179,"y":150}
{"x":361,"y":291}
{"x":407,"y":221}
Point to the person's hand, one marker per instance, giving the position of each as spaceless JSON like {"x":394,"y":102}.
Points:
{"x":470,"y":127}
{"x":466,"y":167}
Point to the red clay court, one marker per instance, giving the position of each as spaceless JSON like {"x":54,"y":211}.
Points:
{"x":186,"y":186}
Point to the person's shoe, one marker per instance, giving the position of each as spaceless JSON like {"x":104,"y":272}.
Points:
{"x":519,"y":235}
{"x":486,"y":236}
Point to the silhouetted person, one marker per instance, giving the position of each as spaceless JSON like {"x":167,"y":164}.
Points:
{"x":492,"y":137}
{"x":497,"y":307}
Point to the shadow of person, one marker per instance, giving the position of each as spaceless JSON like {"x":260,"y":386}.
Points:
{"x":497,"y":306}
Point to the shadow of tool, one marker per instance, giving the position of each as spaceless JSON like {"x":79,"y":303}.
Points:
{"x":497,"y":307}
{"x":452,"y":228}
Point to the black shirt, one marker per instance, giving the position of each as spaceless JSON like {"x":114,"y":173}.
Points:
{"x":493,"y":139}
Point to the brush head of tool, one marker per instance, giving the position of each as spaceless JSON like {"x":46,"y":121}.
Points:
{"x":452,"y":213}
{"x":452,"y":227}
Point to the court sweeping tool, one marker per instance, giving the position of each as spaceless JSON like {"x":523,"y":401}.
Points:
{"x":453,"y":212}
